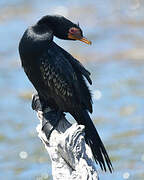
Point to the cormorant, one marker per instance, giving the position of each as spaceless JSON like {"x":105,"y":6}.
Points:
{"x":59,"y":78}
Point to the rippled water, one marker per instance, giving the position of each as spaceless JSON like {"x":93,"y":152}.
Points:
{"x":116,"y":61}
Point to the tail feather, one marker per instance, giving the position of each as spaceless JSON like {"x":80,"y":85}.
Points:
{"x":93,"y":140}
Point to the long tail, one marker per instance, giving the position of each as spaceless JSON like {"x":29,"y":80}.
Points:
{"x":93,"y":139}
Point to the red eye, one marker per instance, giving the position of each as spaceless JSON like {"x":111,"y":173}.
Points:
{"x":73,"y":30}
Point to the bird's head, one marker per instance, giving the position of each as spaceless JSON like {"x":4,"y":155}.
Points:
{"x":63,"y":28}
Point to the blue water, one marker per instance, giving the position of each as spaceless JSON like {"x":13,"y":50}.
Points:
{"x":116,"y":63}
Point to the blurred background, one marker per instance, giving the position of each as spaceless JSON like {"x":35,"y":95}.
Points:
{"x":116,"y":62}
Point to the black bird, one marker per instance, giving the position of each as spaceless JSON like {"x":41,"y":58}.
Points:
{"x":59,"y":78}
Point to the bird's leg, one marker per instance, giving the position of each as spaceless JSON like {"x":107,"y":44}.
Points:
{"x":50,"y":117}
{"x":50,"y":121}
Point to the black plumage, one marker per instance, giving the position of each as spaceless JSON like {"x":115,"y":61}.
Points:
{"x":59,"y":78}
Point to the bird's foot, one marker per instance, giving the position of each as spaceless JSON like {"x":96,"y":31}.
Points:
{"x":36,"y":103}
{"x":50,"y":118}
{"x":50,"y":122}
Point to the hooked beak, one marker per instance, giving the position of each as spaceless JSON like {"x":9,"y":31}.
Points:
{"x":79,"y":37}
{"x":83,"y":39}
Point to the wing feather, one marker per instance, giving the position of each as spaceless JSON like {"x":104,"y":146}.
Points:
{"x":77,"y":65}
{"x":58,"y":74}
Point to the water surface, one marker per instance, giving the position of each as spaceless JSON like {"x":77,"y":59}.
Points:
{"x":116,"y":62}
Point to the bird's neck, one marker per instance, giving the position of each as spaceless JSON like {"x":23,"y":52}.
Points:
{"x":40,"y":33}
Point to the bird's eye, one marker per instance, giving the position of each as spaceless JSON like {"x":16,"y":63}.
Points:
{"x":73,"y":30}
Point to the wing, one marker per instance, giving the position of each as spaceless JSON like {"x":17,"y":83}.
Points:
{"x":80,"y":72}
{"x":77,"y":65}
{"x":58,"y":74}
